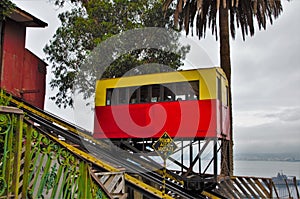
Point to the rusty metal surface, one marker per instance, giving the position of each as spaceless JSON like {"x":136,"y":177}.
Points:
{"x":245,"y":187}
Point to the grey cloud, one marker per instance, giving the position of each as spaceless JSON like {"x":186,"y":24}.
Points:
{"x":287,"y":115}
{"x":270,"y":138}
{"x":266,"y":67}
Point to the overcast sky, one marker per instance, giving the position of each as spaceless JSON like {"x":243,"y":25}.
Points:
{"x":265,"y":77}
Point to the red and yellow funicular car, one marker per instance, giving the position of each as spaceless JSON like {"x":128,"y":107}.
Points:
{"x":186,"y":104}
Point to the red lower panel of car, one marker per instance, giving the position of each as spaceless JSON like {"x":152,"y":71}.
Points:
{"x":182,"y":119}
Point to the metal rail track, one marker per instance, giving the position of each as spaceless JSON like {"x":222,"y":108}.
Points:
{"x":110,"y":157}
{"x":78,"y":136}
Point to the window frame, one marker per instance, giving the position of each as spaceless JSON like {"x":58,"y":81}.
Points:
{"x":165,"y":90}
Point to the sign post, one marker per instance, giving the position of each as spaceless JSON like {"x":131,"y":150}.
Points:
{"x":164,"y":146}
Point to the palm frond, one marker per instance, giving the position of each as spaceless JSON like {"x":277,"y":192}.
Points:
{"x":167,"y":4}
{"x":224,"y":3}
{"x":218,"y":4}
{"x":242,"y":14}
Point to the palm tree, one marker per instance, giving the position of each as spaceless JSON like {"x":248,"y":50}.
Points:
{"x":243,"y":13}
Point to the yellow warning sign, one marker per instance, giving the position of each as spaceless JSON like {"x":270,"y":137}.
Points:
{"x":164,"y":146}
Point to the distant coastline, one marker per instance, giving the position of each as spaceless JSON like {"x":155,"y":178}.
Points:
{"x":260,"y":167}
{"x":283,"y":157}
{"x":270,"y":160}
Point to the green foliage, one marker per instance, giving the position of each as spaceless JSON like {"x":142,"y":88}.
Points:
{"x":4,"y":98}
{"x":91,"y":22}
{"x":61,"y":3}
{"x":6,"y":7}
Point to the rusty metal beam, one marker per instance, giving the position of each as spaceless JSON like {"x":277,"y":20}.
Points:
{"x":249,"y":180}
{"x":266,"y":192}
{"x":248,"y":188}
{"x":269,"y":183}
{"x":241,"y":188}
{"x":228,"y":189}
{"x":236,"y":191}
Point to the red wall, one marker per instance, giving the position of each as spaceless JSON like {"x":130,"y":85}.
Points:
{"x":34,"y":80}
{"x":22,"y":73}
{"x":13,"y":56}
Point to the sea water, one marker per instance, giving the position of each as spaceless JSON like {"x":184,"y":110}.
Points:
{"x":270,"y":169}
{"x":266,"y":169}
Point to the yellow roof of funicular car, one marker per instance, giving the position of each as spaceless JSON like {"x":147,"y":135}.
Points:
{"x":206,"y":76}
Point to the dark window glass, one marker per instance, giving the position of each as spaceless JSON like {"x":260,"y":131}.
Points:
{"x":227,"y":96}
{"x":219,"y":89}
{"x":153,"y":93}
{"x":145,"y":95}
{"x":135,"y":95}
{"x":108,"y":96}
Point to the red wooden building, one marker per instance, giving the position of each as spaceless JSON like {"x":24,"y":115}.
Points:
{"x":22,"y":73}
